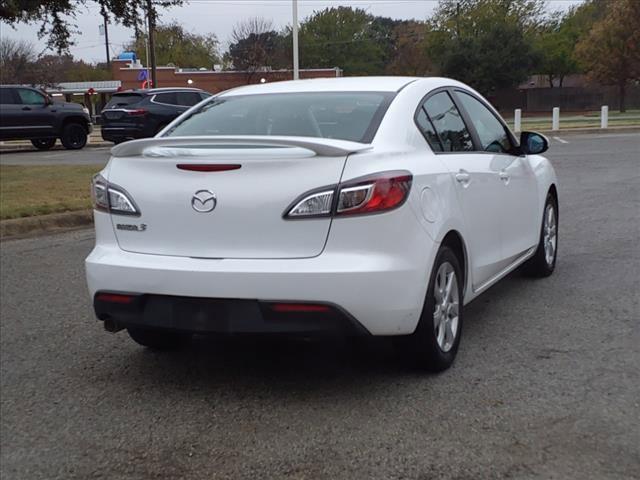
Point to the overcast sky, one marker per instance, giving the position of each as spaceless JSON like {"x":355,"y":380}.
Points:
{"x":219,"y":17}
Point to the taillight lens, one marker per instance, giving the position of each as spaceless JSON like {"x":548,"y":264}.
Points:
{"x":136,"y":112}
{"x":375,"y":193}
{"x":111,"y":198}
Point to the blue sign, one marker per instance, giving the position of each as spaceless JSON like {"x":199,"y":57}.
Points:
{"x":142,"y":75}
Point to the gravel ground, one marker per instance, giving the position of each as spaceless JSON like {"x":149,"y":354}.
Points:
{"x":546,"y":384}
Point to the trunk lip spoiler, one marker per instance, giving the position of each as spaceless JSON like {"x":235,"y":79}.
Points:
{"x":162,"y":146}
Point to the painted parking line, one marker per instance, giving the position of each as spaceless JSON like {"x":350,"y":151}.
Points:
{"x":560,"y":140}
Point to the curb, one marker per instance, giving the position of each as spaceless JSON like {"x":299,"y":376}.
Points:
{"x":29,"y":147}
{"x":40,"y":224}
{"x":568,"y":131}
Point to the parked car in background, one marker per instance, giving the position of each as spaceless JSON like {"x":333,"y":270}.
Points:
{"x":27,"y":113}
{"x":143,"y":113}
{"x":366,"y":206}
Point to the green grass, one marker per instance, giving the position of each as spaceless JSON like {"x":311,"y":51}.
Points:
{"x":26,"y":191}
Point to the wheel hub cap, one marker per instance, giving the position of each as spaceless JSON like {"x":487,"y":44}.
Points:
{"x":445,"y":314}
{"x":549,"y":235}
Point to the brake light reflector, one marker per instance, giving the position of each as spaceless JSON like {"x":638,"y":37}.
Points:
{"x":299,"y":308}
{"x":313,"y":205}
{"x":203,"y":167}
{"x":108,"y":197}
{"x":115,"y":298}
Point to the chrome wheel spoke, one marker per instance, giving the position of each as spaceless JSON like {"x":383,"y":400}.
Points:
{"x":446,"y":308}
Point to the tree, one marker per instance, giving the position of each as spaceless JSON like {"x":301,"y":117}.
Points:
{"x":611,"y":50}
{"x":409,"y":56}
{"x":255,"y":45}
{"x":343,"y":37}
{"x":176,"y":46}
{"x":485,"y":43}
{"x":17,"y":58}
{"x":555,"y":48}
{"x":56,"y":16}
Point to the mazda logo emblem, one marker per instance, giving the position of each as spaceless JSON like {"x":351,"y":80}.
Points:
{"x":204,"y":201}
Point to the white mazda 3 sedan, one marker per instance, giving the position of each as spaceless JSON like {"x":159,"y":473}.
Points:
{"x":363,"y":206}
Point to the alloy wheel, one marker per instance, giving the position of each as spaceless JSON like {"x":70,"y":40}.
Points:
{"x":445,"y":314}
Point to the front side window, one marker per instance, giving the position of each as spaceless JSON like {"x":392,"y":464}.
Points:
{"x":448,"y":123}
{"x":351,"y":116}
{"x":493,"y":134}
{"x":30,"y":97}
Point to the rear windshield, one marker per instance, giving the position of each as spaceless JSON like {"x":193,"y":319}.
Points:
{"x":123,"y":99}
{"x":351,"y":116}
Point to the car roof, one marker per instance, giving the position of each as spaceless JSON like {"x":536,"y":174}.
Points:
{"x":151,"y":91}
{"x":337,"y":84}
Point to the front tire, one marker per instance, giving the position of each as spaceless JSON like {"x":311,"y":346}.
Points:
{"x":543,"y":262}
{"x":434,"y":344}
{"x":157,"y":339}
{"x":74,"y":136}
{"x":43,"y":143}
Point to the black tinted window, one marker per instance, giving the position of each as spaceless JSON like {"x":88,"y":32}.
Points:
{"x":30,"y":97}
{"x":448,"y":123}
{"x":123,"y":100}
{"x":492,"y":133}
{"x":188,"y":99}
{"x":168,"y":98}
{"x":345,"y":115}
{"x":425,"y":126}
{"x":6,"y":96}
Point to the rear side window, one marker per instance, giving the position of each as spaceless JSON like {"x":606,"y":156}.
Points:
{"x":30,"y":97}
{"x":426,"y":127}
{"x":448,"y":123}
{"x":351,"y":116}
{"x":188,"y":99}
{"x":492,"y":133}
{"x":123,"y":100}
{"x":7,"y":97}
{"x":168,"y":98}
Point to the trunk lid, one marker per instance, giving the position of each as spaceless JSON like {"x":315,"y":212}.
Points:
{"x":247,"y":218}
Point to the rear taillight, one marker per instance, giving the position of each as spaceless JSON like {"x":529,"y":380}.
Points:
{"x":136,"y":112}
{"x":375,"y":193}
{"x":111,"y":198}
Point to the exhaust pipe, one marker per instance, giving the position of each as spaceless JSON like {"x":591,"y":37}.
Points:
{"x":112,"y":326}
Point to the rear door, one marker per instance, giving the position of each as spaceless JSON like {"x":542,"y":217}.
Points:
{"x":476,"y":179}
{"x":234,"y":213}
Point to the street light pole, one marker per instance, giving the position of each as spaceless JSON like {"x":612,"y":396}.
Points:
{"x":106,"y":41}
{"x":296,"y":65}
{"x":152,"y":51}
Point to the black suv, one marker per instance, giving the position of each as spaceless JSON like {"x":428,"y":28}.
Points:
{"x":143,"y":113}
{"x":29,"y":114}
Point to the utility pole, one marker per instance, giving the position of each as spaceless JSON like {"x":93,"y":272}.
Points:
{"x":106,"y":40}
{"x":152,"y":52}
{"x":296,"y":64}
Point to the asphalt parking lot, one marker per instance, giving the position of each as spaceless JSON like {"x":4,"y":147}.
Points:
{"x":546,"y":384}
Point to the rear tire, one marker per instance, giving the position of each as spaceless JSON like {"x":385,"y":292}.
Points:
{"x":43,"y":143}
{"x":157,"y":339}
{"x":543,"y":262}
{"x":434,"y":344}
{"x":74,"y":136}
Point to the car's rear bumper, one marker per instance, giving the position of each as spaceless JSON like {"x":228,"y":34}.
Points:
{"x":115,"y":133}
{"x":223,"y":316}
{"x":381,"y":288}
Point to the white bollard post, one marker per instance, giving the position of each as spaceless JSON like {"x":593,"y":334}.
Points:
{"x":604,"y":117}
{"x":517,"y":120}
{"x":555,"y":122}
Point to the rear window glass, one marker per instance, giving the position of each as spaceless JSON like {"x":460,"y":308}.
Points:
{"x":123,"y":100}
{"x":351,"y":116}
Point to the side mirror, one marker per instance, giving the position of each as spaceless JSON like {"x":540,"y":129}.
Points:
{"x":532,"y":143}
{"x":48,"y":100}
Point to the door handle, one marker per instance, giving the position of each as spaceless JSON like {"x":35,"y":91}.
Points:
{"x":463,"y":177}
{"x":504,"y":175}
{"x":26,"y":108}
